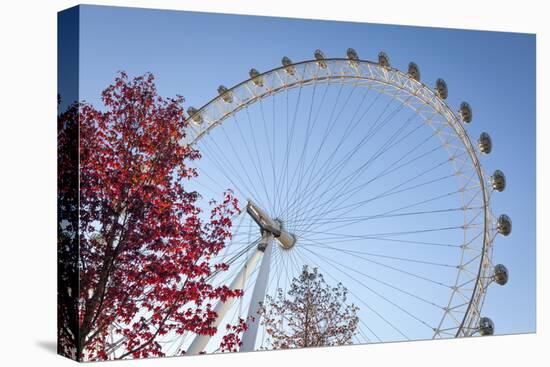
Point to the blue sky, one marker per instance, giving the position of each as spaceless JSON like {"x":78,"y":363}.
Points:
{"x":192,"y":53}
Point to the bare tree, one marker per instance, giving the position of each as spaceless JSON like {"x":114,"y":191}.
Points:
{"x":311,"y":314}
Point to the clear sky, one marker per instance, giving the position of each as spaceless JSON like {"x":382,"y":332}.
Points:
{"x":192,"y":53}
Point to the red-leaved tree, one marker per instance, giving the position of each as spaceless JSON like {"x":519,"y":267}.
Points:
{"x":144,"y":247}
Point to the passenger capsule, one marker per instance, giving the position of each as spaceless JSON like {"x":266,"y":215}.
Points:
{"x":441,"y":89}
{"x":194,"y":115}
{"x":498,"y":180}
{"x":289,"y":68}
{"x":352,"y":54}
{"x":486,"y":326}
{"x":484,"y":143}
{"x":414,"y":71}
{"x":320,"y":57}
{"x":465,"y":112}
{"x":500,"y":274}
{"x":256,"y":78}
{"x":504,"y":225}
{"x":383,"y":60}
{"x":353,"y":57}
{"x":226,"y":94}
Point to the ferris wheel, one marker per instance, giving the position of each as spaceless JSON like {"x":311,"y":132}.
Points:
{"x":364,"y":172}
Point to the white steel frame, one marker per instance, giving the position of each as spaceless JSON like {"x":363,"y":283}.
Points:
{"x":418,"y":97}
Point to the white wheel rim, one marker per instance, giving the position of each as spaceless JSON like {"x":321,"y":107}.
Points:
{"x":455,"y":321}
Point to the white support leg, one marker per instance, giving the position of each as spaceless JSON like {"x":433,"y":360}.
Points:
{"x":258,"y":295}
{"x":270,"y":229}
{"x":200,"y":341}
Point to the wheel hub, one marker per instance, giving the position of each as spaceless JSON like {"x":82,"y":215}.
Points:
{"x":271,"y":226}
